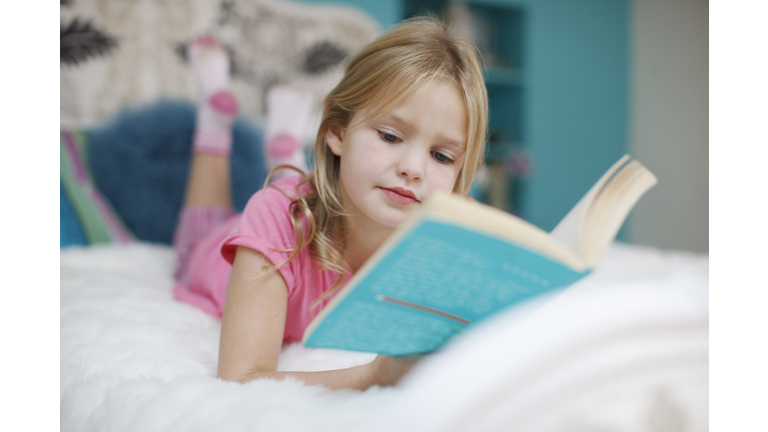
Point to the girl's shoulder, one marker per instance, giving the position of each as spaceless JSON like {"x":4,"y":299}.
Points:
{"x":265,"y":224}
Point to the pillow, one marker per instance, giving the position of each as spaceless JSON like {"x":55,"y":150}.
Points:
{"x":85,"y":216}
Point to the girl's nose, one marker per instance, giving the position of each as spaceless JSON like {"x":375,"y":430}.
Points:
{"x":412,"y":166}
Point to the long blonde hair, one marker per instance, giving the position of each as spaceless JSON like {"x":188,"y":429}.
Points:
{"x":382,"y":75}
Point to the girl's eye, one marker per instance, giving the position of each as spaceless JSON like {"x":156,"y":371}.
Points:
{"x":441,"y":157}
{"x":388,"y":137}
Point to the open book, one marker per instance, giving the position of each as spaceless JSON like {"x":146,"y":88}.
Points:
{"x":456,"y":262}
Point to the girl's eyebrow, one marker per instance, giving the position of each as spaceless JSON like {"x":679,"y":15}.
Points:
{"x":408,"y":126}
{"x":451,"y":142}
{"x":405,"y":124}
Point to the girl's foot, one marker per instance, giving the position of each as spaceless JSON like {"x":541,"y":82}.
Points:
{"x":288,"y":112}
{"x":217,"y":107}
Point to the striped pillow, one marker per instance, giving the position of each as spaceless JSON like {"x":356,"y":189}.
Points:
{"x":86,"y":217}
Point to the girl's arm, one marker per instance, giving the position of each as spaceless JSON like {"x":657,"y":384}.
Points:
{"x":252,"y":332}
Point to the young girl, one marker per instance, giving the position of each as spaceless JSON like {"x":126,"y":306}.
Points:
{"x":409,"y":118}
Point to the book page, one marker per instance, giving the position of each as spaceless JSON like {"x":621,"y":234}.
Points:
{"x":498,"y":223}
{"x":567,"y":231}
{"x":612,"y":208}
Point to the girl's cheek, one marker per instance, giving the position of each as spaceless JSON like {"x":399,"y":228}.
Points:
{"x":377,"y":147}
{"x":448,"y":177}
{"x":375,"y":154}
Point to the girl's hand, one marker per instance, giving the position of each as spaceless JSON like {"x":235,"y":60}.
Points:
{"x":387,"y":371}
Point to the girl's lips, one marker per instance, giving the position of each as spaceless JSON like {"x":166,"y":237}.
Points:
{"x":400,"y":195}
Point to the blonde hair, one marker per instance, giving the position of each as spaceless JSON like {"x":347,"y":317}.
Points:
{"x":383,"y":74}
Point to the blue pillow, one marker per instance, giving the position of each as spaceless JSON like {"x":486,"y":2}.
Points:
{"x":140,"y":162}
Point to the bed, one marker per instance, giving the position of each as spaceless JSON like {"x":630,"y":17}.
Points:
{"x":625,"y":349}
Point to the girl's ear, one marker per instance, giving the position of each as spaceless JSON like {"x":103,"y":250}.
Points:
{"x":333,"y":138}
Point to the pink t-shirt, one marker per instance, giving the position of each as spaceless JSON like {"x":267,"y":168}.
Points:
{"x":264,"y":226}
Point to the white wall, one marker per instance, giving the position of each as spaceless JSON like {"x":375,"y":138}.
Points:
{"x":669,"y":121}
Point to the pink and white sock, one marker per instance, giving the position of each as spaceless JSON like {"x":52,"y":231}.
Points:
{"x":288,"y":112}
{"x":217,"y":107}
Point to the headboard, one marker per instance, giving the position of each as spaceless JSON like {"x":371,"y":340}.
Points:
{"x":130,"y":52}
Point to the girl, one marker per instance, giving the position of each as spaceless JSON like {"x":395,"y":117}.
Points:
{"x":409,"y":118}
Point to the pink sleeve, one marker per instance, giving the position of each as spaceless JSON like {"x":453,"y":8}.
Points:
{"x":265,"y":226}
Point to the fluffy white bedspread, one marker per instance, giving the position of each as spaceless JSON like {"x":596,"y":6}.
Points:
{"x":626,"y":349}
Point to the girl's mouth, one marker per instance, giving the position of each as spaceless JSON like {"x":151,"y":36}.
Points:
{"x":400,"y":195}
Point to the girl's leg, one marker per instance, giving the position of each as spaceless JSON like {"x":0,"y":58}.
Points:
{"x":208,"y":199}
{"x":208,"y":184}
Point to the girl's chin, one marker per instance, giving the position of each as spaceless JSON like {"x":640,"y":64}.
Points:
{"x":392,"y":221}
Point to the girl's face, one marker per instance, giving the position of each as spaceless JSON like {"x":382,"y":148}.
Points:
{"x":393,"y":162}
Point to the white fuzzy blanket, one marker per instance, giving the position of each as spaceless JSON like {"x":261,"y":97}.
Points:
{"x":626,"y":349}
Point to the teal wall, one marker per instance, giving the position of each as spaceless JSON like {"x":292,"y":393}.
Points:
{"x":387,"y":12}
{"x":575,"y":90}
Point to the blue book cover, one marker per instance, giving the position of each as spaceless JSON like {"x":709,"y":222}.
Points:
{"x":436,"y":281}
